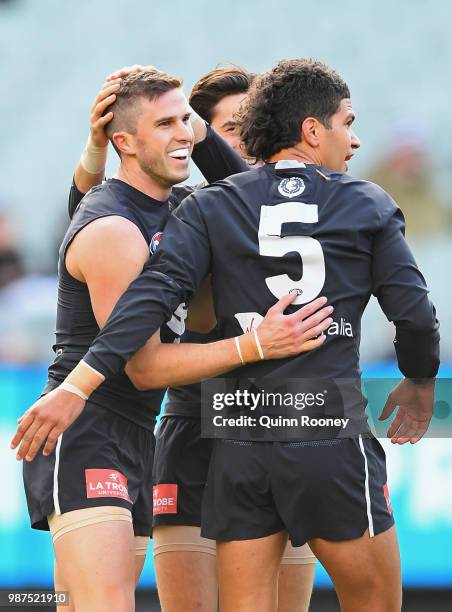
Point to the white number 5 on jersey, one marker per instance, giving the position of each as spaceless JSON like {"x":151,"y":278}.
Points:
{"x":271,"y":244}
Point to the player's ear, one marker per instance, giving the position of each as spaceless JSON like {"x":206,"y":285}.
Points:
{"x":310,"y":131}
{"x":124,"y":142}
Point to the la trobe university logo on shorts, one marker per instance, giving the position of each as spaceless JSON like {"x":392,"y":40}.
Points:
{"x":106,"y":483}
{"x":291,"y":187}
{"x":164,"y":498}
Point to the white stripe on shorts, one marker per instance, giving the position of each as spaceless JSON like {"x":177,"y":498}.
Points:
{"x":56,"y":501}
{"x":366,"y":485}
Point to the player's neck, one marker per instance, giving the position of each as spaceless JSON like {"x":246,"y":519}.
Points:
{"x":135,"y":177}
{"x":297,"y":153}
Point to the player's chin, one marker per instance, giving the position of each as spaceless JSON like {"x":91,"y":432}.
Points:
{"x":178,"y":175}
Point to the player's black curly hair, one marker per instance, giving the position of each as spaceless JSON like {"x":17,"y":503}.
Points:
{"x":280,"y":100}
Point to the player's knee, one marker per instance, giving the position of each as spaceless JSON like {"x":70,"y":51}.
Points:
{"x":107,"y":596}
{"x":372,"y":592}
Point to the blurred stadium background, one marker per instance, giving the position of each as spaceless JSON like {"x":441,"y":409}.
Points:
{"x":396,"y":57}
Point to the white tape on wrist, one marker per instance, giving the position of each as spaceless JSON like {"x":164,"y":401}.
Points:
{"x":258,"y":344}
{"x":73,"y":389}
{"x":93,"y":158}
{"x":239,"y":350}
{"x":93,"y":370}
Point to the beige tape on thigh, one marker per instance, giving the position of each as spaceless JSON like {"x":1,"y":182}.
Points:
{"x":141,"y":545}
{"x":300,"y":555}
{"x":181,"y":538}
{"x":60,"y":524}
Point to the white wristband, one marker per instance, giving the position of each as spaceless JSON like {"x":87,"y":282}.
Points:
{"x":93,"y":158}
{"x":239,"y":350}
{"x":73,"y":389}
{"x":258,"y":344}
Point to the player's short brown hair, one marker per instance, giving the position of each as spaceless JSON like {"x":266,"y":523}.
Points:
{"x":147,"y":85}
{"x":216,"y":85}
{"x":280,"y":100}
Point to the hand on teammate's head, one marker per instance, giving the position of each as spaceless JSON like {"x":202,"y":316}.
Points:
{"x":98,"y":121}
{"x":126,"y":70}
{"x":106,"y":97}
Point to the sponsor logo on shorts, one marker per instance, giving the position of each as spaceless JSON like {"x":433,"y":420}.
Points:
{"x":164,"y":499}
{"x":106,"y":483}
{"x":387,"y":498}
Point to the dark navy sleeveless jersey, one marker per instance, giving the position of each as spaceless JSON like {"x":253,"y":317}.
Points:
{"x":275,"y":229}
{"x":76,"y":326}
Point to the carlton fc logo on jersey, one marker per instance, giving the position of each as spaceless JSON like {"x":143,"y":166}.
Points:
{"x":291,"y":187}
{"x":155,"y":241}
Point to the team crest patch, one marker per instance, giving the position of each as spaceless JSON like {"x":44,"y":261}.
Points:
{"x":164,"y":499}
{"x":291,"y":187}
{"x":155,"y":241}
{"x":106,"y":483}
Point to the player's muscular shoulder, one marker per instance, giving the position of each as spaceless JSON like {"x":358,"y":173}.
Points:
{"x":107,"y":244}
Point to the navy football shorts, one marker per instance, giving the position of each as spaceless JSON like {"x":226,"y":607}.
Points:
{"x":181,"y":465}
{"x":330,"y":489}
{"x":102,"y":459}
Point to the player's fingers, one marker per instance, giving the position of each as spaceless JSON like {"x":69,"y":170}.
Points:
{"x":38,"y":439}
{"x":125,"y":70}
{"x":283,"y":302}
{"x":28,"y":439}
{"x":420,"y":432}
{"x":26,"y":422}
{"x":105,"y":93}
{"x":51,"y":441}
{"x":406,"y":430}
{"x":313,"y":332}
{"x":117,"y":74}
{"x":399,"y":440}
{"x":102,"y":121}
{"x":101,"y":106}
{"x":316,"y":318}
{"x":394,"y":427}
{"x":309,"y":309}
{"x":310,"y":345}
{"x":21,"y":418}
{"x":418,"y":436}
{"x":388,"y":408}
{"x":111,"y":82}
{"x":108,"y":88}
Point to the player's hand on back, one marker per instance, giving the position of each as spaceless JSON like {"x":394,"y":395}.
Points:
{"x":49,"y":417}
{"x":414,"y":404}
{"x":286,"y":335}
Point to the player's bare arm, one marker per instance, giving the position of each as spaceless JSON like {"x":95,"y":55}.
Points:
{"x":165,"y":365}
{"x":280,"y":336}
{"x":106,"y":255}
{"x":90,"y":169}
